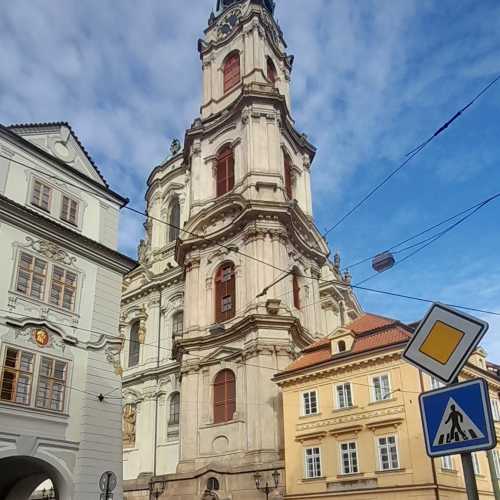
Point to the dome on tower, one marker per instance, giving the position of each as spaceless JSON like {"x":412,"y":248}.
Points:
{"x":224,"y":4}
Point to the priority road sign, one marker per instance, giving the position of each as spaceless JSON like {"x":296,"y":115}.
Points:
{"x":458,"y":419}
{"x":444,"y":341}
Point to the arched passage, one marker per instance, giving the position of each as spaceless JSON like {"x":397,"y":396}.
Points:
{"x":21,"y":475}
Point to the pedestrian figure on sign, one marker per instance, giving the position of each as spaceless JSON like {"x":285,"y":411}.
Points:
{"x":456,"y":419}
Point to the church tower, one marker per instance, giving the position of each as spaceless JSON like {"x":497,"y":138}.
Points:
{"x":249,"y":270}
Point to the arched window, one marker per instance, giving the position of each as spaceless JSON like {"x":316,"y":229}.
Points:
{"x":175,"y":409}
{"x":134,"y":348}
{"x":296,"y":291}
{"x":288,"y":177}
{"x":213,"y":484}
{"x":224,"y":396}
{"x":272,"y":74}
{"x":174,"y":220}
{"x":225,"y":293}
{"x":341,"y":346}
{"x":232,"y":74}
{"x":225,"y":171}
{"x":177,"y":324}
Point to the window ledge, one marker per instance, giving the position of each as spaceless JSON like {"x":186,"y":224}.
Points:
{"x":32,"y":412}
{"x":336,"y":410}
{"x":129,"y":450}
{"x":312,"y":479}
{"x":220,"y":424}
{"x":389,"y":471}
{"x":59,"y":310}
{"x":449,"y":471}
{"x":389,"y":400}
{"x":310,"y":416}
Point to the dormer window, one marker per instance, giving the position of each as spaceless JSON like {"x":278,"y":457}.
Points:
{"x":341,"y":347}
{"x":232,"y":73}
{"x":272,"y":74}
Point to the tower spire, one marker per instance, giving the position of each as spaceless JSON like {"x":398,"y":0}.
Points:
{"x":224,"y":4}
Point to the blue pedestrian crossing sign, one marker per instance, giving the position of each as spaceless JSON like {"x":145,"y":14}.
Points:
{"x":458,"y":419}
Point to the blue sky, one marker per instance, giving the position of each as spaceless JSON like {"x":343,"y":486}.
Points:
{"x":372,"y":79}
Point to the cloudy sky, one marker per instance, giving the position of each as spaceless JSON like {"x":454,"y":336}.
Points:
{"x":372,"y":79}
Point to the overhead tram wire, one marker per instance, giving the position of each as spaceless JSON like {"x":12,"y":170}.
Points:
{"x":424,"y":244}
{"x":230,"y":248}
{"x":414,"y":152}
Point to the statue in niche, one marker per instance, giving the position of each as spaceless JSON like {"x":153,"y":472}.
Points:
{"x":129,"y":420}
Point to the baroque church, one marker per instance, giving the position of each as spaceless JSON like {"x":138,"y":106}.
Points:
{"x":234,"y":277}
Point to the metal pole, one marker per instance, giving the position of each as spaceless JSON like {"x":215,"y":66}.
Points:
{"x":493,"y":475}
{"x":469,"y":477}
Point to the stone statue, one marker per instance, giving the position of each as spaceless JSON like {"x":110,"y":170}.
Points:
{"x":175,"y":147}
{"x":129,"y":420}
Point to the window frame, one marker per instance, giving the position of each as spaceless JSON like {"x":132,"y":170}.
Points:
{"x":228,"y":404}
{"x":496,"y":462}
{"x":136,"y":343}
{"x":174,"y":409}
{"x":77,"y":210}
{"x":374,"y":390}
{"x":224,"y":171}
{"x":32,"y":273}
{"x":447,"y":463}
{"x":231,"y":77}
{"x":387,"y":446}
{"x":224,"y":289}
{"x":52,"y":380}
{"x":337,"y":399}
{"x":495,"y":409}
{"x":476,"y":466}
{"x":303,"y":402}
{"x":174,"y":220}
{"x":64,"y":286}
{"x":288,"y":176}
{"x":271,"y":71}
{"x":352,"y":466}
{"x":296,"y":291}
{"x":316,"y":465}
{"x":43,"y":185}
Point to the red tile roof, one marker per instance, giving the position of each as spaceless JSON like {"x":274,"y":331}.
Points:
{"x":370,"y":332}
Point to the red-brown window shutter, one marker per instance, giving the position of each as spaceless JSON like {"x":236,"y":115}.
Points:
{"x":225,"y":293}
{"x":225,"y":171}
{"x":232,"y":73}
{"x":296,"y":292}
{"x":288,"y":177}
{"x":224,"y":396}
{"x":271,"y":71}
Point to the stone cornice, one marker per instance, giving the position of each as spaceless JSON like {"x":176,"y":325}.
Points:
{"x":30,"y":221}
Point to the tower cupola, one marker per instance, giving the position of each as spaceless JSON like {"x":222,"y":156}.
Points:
{"x":224,"y":4}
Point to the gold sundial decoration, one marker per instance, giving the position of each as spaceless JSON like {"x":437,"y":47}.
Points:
{"x":41,"y":337}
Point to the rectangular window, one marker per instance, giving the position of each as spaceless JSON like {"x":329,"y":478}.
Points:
{"x":17,"y":375}
{"x":312,"y":463}
{"x":349,"y":458}
{"x":495,"y":409}
{"x":381,"y":388}
{"x":344,"y":395}
{"x":496,"y":463}
{"x":31,"y":276}
{"x":63,"y":288}
{"x":69,"y":210}
{"x":447,"y":462}
{"x":436,"y":383}
{"x":51,"y":384}
{"x":388,"y":453}
{"x":41,"y":195}
{"x":475,"y":464}
{"x":310,"y":401}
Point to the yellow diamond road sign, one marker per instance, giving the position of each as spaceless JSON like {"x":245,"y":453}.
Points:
{"x":444,"y":341}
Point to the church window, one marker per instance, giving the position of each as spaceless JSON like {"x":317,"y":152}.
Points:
{"x":224,"y":396}
{"x":272,"y":75}
{"x":135,"y":345}
{"x":232,"y":73}
{"x":174,"y":220}
{"x":296,"y":291}
{"x":41,"y":195}
{"x":69,"y":210}
{"x":225,"y":171}
{"x":213,"y":484}
{"x":225,"y":293}
{"x":288,"y":177}
{"x":177,"y":324}
{"x":175,"y":408}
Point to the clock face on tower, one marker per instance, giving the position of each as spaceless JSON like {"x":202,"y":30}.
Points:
{"x":228,"y":23}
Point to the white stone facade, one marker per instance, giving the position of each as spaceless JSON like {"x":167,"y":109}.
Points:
{"x":59,"y":312}
{"x":259,"y":229}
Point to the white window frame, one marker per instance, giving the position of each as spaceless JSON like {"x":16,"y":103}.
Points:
{"x":379,"y":454}
{"x":435,"y":383}
{"x":495,"y":409}
{"x":496,"y":462}
{"x":61,"y":206}
{"x":49,"y":274}
{"x":374,"y":391}
{"x":44,"y":185}
{"x":337,"y":398}
{"x":349,"y":457}
{"x":35,"y":379}
{"x":303,"y":403}
{"x":475,"y":464}
{"x":306,"y":468}
{"x":447,"y":463}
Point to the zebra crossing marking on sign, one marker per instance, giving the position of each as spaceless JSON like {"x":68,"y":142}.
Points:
{"x":457,"y":419}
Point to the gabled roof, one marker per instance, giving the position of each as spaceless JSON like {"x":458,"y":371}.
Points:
{"x":33,"y":126}
{"x":370,"y":332}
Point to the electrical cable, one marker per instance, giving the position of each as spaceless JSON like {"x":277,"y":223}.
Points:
{"x":409,"y":157}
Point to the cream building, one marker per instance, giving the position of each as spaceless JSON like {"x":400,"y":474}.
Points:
{"x":352,"y":420}
{"x":230,"y":213}
{"x":59,"y":315}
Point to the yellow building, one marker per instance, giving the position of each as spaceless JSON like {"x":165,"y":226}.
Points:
{"x":352,"y":426}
